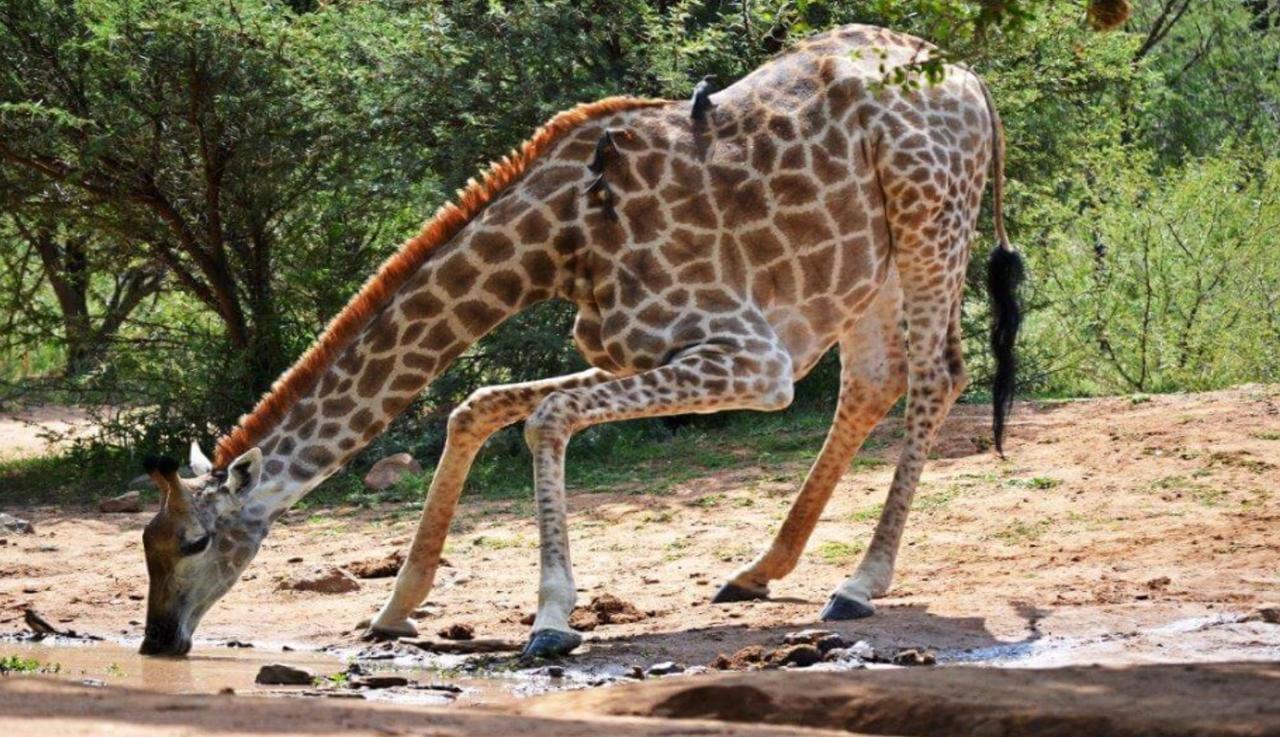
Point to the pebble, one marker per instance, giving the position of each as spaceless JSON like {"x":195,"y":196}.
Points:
{"x":16,"y":525}
{"x":380,"y":681}
{"x":128,"y":502}
{"x":913,"y":656}
{"x":279,"y":674}
{"x":665,"y":668}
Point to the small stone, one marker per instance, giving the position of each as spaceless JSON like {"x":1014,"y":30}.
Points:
{"x":1159,"y":583}
{"x":380,"y":681}
{"x":387,"y":472}
{"x":279,"y":674}
{"x":226,"y":691}
{"x":239,"y":644}
{"x":16,"y":525}
{"x":295,"y":559}
{"x":824,"y":640}
{"x":636,"y":672}
{"x":554,"y":671}
{"x":458,"y":631}
{"x":665,"y":668}
{"x":1269,"y":613}
{"x":126,"y":503}
{"x":806,"y":637}
{"x":912,"y":656}
{"x":800,"y":656}
{"x":330,"y":580}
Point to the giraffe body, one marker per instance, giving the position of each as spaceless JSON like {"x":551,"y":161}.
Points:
{"x":713,"y":258}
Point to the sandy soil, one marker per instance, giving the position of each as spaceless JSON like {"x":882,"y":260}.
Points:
{"x":1117,"y":531}
{"x":23,"y":432}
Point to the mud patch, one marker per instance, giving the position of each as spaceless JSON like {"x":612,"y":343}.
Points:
{"x":1203,"y":700}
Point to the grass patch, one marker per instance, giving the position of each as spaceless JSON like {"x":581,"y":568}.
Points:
{"x":867,"y":514}
{"x":18,"y":664}
{"x":1019,"y":531}
{"x":1035,"y":482}
{"x":839,"y":554}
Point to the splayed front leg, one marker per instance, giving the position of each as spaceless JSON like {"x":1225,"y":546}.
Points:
{"x":703,"y":378}
{"x":470,"y":425}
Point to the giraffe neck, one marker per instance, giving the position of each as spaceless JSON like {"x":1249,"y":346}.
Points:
{"x":487,"y":273}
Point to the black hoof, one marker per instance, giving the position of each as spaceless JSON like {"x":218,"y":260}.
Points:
{"x":551,"y":644}
{"x":840,"y":608}
{"x":733,"y":592}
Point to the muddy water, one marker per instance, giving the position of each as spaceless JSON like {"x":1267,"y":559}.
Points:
{"x":206,"y":670}
{"x":210,"y":669}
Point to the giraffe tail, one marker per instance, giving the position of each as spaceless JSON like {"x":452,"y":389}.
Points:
{"x":1005,"y":271}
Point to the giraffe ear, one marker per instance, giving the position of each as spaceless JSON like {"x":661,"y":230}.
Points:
{"x":200,"y":463}
{"x":243,"y":473}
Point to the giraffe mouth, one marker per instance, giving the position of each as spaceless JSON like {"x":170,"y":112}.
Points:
{"x":165,"y":637}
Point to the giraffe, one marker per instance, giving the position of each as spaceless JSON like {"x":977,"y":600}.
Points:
{"x":715,"y":250}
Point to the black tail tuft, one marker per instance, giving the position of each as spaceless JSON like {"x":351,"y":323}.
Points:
{"x":1004,"y":274}
{"x":163,"y":464}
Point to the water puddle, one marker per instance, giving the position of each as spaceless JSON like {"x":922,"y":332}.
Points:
{"x":340,"y":673}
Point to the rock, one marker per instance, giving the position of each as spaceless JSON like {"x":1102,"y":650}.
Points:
{"x":800,"y":656}
{"x":862,"y":650}
{"x":238,"y":644}
{"x":1269,"y":613}
{"x":16,"y":525}
{"x":913,"y":656}
{"x":458,"y":631}
{"x":553,"y":671}
{"x":1156,"y":584}
{"x":387,"y":472}
{"x":665,"y":668}
{"x":748,"y":657}
{"x":824,"y":640}
{"x":330,"y":580}
{"x":379,"y":681}
{"x":128,"y":502}
{"x":279,"y":674}
{"x":385,"y":567}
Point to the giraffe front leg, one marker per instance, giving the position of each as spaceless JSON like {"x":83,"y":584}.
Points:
{"x":470,"y":425}
{"x":705,"y":378}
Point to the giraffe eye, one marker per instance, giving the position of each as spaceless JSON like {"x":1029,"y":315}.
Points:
{"x":194,"y":546}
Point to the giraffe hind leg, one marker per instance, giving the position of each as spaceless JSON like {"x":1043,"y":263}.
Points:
{"x":872,"y":377}
{"x":936,"y":377}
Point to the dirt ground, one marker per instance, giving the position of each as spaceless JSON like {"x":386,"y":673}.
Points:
{"x":1117,"y":531}
{"x":23,"y":432}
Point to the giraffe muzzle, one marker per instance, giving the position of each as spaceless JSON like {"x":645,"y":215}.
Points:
{"x":164,"y":636}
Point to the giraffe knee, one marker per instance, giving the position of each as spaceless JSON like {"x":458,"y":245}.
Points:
{"x":469,"y":418}
{"x":552,"y":417}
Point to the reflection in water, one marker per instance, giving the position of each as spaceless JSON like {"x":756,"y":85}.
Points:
{"x":208,"y":670}
{"x":167,"y":674}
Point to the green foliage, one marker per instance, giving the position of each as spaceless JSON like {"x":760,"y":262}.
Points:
{"x":1171,"y":285}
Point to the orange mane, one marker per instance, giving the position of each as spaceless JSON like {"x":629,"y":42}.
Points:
{"x":379,"y":289}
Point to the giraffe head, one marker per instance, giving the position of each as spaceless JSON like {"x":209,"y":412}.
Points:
{"x":197,"y":544}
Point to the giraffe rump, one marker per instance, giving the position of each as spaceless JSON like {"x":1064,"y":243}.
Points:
{"x":377,"y":292}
